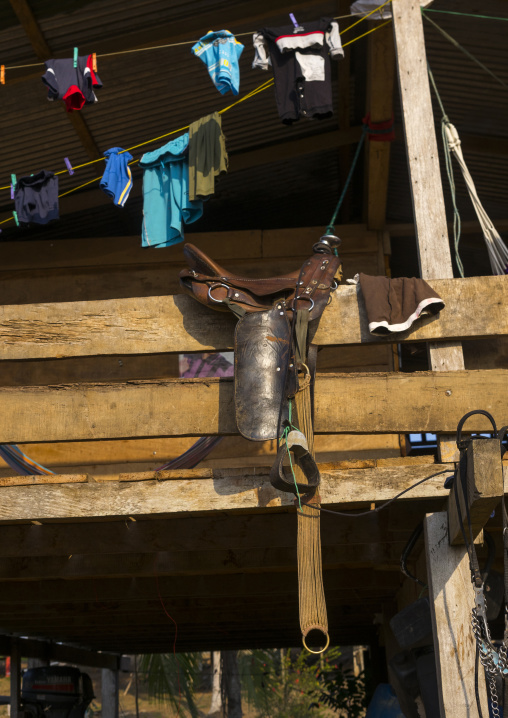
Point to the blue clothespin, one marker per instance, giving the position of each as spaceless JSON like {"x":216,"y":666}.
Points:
{"x":15,"y":215}
{"x":75,"y":57}
{"x":298,"y":28}
{"x":13,"y":185}
{"x":68,"y":165}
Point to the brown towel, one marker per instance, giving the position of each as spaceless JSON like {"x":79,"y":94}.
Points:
{"x":394,"y":304}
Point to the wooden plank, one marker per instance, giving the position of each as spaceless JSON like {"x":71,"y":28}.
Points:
{"x":141,"y":280}
{"x":216,"y":491}
{"x":345,"y":403}
{"x":484,"y":490}
{"x":402,"y":229}
{"x":451,"y":601}
{"x":203,"y":533}
{"x":380,"y":84}
{"x":193,"y":563}
{"x":475,"y":306}
{"x":222,"y":246}
{"x":30,"y":595}
{"x":423,"y":161}
{"x":110,"y":693}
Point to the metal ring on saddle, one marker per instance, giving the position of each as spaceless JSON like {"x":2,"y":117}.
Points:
{"x":303,"y":296}
{"x":214,"y":286}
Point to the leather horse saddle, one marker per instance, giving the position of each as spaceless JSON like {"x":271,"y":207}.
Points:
{"x":271,"y":344}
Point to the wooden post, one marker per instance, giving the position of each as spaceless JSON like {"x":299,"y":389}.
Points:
{"x":380,"y":83}
{"x":484,"y":489}
{"x":15,"y":677}
{"x":423,"y":161}
{"x":109,"y":693}
{"x":451,"y":600}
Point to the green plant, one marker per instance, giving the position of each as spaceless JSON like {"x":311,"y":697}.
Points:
{"x":342,"y":690}
{"x":171,"y":678}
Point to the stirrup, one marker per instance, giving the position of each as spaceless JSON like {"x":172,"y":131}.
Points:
{"x":297,"y":443}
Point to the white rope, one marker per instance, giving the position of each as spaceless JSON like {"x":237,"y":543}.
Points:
{"x":498,"y":252}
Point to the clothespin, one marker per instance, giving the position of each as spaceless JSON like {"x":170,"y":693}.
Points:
{"x":13,"y":185}
{"x":15,"y":215}
{"x":75,"y":57}
{"x":68,"y":165}
{"x":2,"y":74}
{"x":94,"y":62}
{"x":298,"y":28}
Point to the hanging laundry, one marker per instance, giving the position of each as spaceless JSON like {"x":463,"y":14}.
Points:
{"x":74,"y":85}
{"x":207,"y":155}
{"x":393,"y":305}
{"x":220,"y":51}
{"x":117,"y":178}
{"x":300,"y":57}
{"x":166,"y":202}
{"x":36,"y":198}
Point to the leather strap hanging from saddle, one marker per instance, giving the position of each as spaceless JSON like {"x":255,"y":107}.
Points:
{"x":266,"y":373}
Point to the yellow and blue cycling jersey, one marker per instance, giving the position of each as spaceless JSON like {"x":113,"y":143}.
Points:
{"x":220,"y":52}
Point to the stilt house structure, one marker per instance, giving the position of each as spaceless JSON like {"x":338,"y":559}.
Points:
{"x":92,"y":325}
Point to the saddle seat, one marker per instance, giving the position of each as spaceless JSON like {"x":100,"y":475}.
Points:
{"x":214,"y":286}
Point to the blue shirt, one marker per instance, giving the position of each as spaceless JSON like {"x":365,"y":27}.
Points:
{"x":220,"y":52}
{"x":117,"y":178}
{"x":166,"y":204}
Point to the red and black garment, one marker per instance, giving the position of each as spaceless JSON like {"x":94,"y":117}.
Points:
{"x":74,"y":85}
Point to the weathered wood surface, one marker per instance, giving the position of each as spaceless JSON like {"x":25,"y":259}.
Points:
{"x":484,"y":489}
{"x":214,"y":531}
{"x":423,"y":161}
{"x":345,"y":403}
{"x":451,"y":600}
{"x":380,"y":84}
{"x":170,"y":493}
{"x":475,"y":307}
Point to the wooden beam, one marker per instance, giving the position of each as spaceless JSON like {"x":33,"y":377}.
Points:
{"x":167,"y":494}
{"x":197,"y":407}
{"x":475,"y":307}
{"x":15,"y":682}
{"x":109,"y":693}
{"x":131,"y":592}
{"x":451,"y":601}
{"x":404,"y":229}
{"x":423,"y":161}
{"x":380,"y":85}
{"x":43,"y":52}
{"x":205,"y":533}
{"x":192,"y":563}
{"x":484,"y":490}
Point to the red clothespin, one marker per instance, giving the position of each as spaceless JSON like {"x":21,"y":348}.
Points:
{"x":68,"y":165}
{"x":2,"y":74}
{"x":94,"y":62}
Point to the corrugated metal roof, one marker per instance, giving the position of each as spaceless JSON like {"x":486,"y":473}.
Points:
{"x":150,"y":93}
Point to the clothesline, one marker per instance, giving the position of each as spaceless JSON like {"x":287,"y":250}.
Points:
{"x":192,"y":42}
{"x":265,"y":85}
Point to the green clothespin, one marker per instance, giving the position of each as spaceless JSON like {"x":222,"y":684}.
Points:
{"x":15,"y":215}
{"x":75,"y":57}
{"x":13,"y":185}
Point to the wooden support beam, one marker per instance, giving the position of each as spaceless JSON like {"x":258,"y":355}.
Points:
{"x":196,"y":407}
{"x":15,"y":684}
{"x":380,"y":85}
{"x":451,"y":601}
{"x":162,"y":494}
{"x":484,"y":489}
{"x":475,"y":307}
{"x":109,"y":693}
{"x":423,"y":161}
